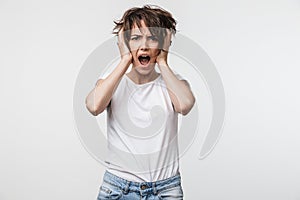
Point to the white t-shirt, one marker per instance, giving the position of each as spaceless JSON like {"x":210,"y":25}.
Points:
{"x":142,"y":131}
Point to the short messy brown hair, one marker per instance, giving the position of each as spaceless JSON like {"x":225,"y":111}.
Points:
{"x":156,"y":18}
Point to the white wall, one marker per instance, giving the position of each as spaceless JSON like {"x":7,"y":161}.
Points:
{"x":255,"y":46}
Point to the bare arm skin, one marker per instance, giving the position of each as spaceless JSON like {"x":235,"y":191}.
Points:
{"x":179,"y":90}
{"x":99,"y":98}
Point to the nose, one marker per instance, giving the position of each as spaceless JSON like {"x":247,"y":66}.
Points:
{"x":144,"y":44}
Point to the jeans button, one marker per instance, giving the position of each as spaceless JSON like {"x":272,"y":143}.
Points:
{"x":143,"y":187}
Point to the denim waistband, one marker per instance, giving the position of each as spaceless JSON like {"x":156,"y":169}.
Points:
{"x":141,"y":187}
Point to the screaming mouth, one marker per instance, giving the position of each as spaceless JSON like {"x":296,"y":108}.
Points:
{"x":144,"y":60}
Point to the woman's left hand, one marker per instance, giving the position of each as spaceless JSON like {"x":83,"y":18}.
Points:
{"x":161,"y":59}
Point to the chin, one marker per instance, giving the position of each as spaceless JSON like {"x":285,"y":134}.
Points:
{"x":145,"y":69}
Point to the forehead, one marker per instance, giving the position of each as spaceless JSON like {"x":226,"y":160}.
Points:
{"x":140,"y":30}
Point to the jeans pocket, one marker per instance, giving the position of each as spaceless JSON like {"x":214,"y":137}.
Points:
{"x":108,"y":191}
{"x":174,"y":193}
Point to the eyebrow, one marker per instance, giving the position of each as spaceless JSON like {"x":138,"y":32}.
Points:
{"x":136,"y":34}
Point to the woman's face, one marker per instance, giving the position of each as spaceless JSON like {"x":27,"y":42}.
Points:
{"x":144,"y":48}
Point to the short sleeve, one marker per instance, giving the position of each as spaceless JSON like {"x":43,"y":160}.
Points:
{"x":180,"y":77}
{"x":102,"y":76}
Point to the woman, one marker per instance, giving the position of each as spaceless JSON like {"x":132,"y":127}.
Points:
{"x":142,"y":148}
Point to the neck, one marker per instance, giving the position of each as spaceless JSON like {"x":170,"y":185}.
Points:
{"x":139,"y":78}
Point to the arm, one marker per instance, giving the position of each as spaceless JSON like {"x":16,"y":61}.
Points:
{"x":99,"y":98}
{"x":180,"y":93}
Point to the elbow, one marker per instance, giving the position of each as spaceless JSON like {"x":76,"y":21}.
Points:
{"x":186,"y":107}
{"x":93,"y":111}
{"x":92,"y":108}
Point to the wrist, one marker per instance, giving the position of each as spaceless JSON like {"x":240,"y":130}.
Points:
{"x":126,"y":60}
{"x":162,"y":63}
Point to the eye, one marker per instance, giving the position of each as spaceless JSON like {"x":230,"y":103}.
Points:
{"x":153,"y":38}
{"x":135,"y":38}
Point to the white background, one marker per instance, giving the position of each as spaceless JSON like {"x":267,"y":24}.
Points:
{"x":255,"y":46}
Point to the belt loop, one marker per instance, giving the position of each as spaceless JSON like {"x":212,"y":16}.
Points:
{"x":126,"y":187}
{"x":154,"y":188}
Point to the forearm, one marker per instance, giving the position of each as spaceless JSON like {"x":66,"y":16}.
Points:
{"x":179,"y":90}
{"x":99,"y":98}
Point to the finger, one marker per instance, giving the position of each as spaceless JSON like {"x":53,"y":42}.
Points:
{"x":169,"y":32}
{"x":167,"y":39}
{"x":123,"y":48}
{"x":121,"y":35}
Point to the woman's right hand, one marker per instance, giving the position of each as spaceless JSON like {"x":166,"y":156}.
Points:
{"x":124,"y":51}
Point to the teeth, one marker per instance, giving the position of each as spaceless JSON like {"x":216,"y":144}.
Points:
{"x":144,"y":59}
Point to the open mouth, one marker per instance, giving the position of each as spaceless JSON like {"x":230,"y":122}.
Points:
{"x":144,"y":59}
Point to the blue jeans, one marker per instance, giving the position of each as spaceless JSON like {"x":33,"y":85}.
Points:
{"x":114,"y":187}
